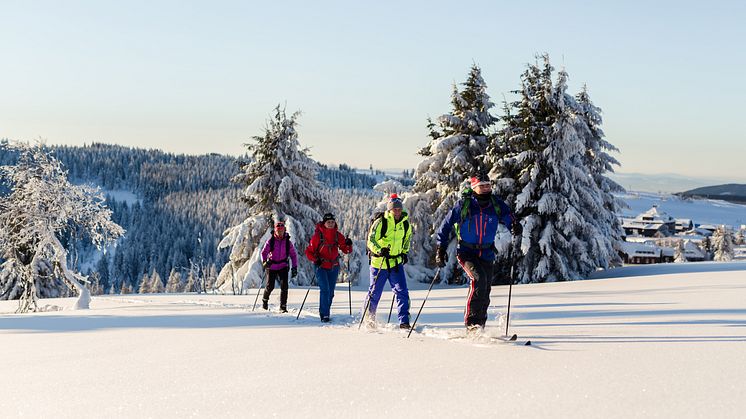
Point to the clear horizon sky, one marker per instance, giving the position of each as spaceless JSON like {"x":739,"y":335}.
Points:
{"x":199,"y":77}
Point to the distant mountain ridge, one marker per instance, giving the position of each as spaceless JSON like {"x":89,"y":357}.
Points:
{"x":731,"y":192}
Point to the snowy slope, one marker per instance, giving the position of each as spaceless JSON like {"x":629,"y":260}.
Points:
{"x":700,"y":211}
{"x":666,"y":345}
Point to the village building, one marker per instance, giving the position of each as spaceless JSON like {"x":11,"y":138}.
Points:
{"x":652,"y":223}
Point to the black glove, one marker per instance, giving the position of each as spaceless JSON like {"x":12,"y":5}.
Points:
{"x":404,"y":258}
{"x":440,"y":256}
{"x":293,"y":272}
{"x":517,"y":228}
{"x":385,"y":252}
{"x":317,"y":262}
{"x":348,"y":241}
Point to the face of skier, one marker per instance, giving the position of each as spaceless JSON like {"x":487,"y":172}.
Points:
{"x":484,"y":188}
{"x":279,"y":229}
{"x":397,"y":213}
{"x":329,"y":223}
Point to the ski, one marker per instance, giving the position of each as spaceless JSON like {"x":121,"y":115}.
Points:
{"x":509,"y":339}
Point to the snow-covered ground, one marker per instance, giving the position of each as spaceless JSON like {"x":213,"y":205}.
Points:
{"x":655,"y":343}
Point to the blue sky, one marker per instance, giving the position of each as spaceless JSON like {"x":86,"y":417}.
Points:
{"x":199,"y":77}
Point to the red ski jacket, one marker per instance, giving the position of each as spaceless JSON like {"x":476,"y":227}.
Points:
{"x":325,"y":245}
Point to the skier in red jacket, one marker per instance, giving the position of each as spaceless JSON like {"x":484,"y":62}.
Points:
{"x":323,"y":251}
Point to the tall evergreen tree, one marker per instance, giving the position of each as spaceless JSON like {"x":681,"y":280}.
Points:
{"x":599,"y":163}
{"x":174,"y":282}
{"x":102,"y":268}
{"x":722,"y":244}
{"x":539,"y":160}
{"x":456,"y":149}
{"x":280,"y":184}
{"x":156,"y":284}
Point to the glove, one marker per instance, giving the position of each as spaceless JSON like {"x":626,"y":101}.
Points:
{"x":348,"y":241}
{"x":440,"y":256}
{"x":517,"y":229}
{"x":317,"y":262}
{"x":404,"y":259}
{"x":267,"y":263}
{"x":385,"y":252}
{"x":293,"y":272}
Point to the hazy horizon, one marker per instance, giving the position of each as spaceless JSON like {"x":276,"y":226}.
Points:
{"x":195,"y":78}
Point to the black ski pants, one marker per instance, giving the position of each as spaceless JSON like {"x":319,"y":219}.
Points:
{"x":480,"y":274}
{"x":282,"y":276}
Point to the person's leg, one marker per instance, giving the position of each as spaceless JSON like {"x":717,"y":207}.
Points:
{"x":485,"y":287}
{"x":398,"y":281}
{"x":378,"y":278}
{"x":271,"y":277}
{"x":283,"y":274}
{"x":322,"y":280}
{"x":475,"y":302}
{"x":333,"y":273}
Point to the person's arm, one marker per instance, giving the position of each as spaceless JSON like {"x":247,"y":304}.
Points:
{"x":506,"y":215}
{"x":313,"y":244}
{"x":266,"y":250}
{"x":444,"y":232}
{"x":407,"y":240}
{"x":342,"y":243}
{"x":372,"y":244}
{"x":293,"y":254}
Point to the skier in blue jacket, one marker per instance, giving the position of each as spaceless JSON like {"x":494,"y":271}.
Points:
{"x":475,"y":217}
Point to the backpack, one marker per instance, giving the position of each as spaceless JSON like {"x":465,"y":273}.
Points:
{"x":466,"y":195}
{"x":287,"y":248}
{"x":384,"y":227}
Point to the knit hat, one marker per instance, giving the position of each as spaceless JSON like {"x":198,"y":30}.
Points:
{"x":328,"y":216}
{"x":480,"y":179}
{"x":394,"y":202}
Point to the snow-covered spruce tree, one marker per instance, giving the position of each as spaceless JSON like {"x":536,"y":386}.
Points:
{"x":722,"y":244}
{"x":174,"y":282}
{"x":599,"y":162}
{"x":280,"y":185}
{"x":457,"y":145}
{"x":539,"y":160}
{"x":40,"y":208}
{"x":156,"y":284}
{"x":144,"y":287}
{"x":679,"y":255}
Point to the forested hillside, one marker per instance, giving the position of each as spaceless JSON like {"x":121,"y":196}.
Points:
{"x":175,"y":208}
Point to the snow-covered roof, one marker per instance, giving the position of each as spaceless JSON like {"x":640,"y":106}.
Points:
{"x":654,"y":215}
{"x":691,"y":250}
{"x":668,"y":251}
{"x":640,"y":249}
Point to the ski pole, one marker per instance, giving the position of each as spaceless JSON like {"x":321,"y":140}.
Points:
{"x":510,"y":288}
{"x":391,"y":310}
{"x":367,"y":302}
{"x":259,"y":290}
{"x":510,"y":294}
{"x":437,"y":274}
{"x":393,"y":296}
{"x":303,"y":303}
{"x":349,"y":284}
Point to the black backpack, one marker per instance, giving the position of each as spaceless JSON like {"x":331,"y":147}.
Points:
{"x":287,"y":248}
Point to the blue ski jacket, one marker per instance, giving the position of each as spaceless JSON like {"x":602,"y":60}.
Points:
{"x":475,"y":226}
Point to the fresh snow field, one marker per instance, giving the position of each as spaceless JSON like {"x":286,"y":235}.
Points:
{"x":665,"y":341}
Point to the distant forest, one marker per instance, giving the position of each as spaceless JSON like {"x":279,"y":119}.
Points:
{"x":176,"y":207}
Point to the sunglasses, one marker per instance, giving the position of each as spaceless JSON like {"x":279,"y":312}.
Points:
{"x":279,"y":225}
